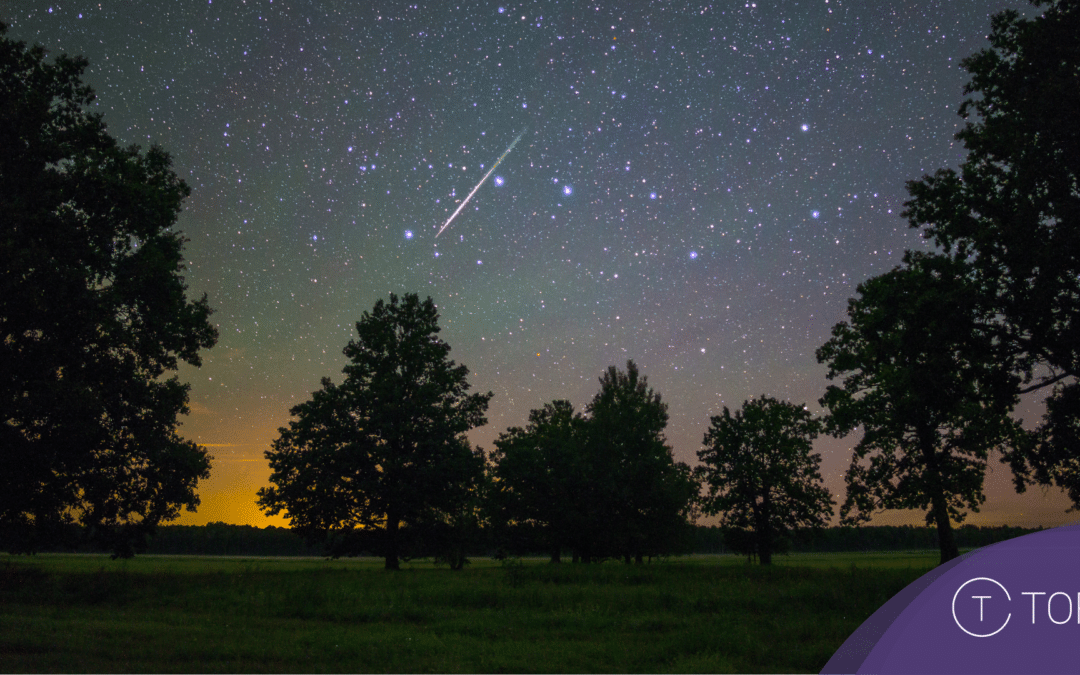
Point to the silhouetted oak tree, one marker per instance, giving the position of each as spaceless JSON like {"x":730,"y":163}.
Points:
{"x":539,"y":477}
{"x":640,"y":498}
{"x":761,"y":474}
{"x":385,"y":449}
{"x":93,"y":315}
{"x":1013,"y":212}
{"x":930,"y":388}
{"x":457,"y":524}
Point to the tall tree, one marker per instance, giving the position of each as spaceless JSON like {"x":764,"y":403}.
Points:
{"x":385,"y":449}
{"x":539,"y":476}
{"x":761,"y":474}
{"x":640,"y":497}
{"x":930,"y":388}
{"x":1013,"y":212}
{"x":450,"y":530}
{"x":93,"y":316}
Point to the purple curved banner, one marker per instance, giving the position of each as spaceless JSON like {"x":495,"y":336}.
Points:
{"x":1012,"y":607}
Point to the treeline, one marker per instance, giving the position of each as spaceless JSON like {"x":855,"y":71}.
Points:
{"x":870,"y":538}
{"x":211,"y":539}
{"x":225,"y":539}
{"x":245,"y":540}
{"x":222,"y":539}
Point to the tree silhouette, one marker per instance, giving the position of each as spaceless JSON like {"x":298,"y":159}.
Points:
{"x":760,"y":473}
{"x":540,"y":476}
{"x":93,"y":316}
{"x":1012,"y":211}
{"x":930,"y":388}
{"x":450,"y":530}
{"x":639,"y":497}
{"x":385,"y":449}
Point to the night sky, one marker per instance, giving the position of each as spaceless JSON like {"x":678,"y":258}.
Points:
{"x":697,"y":187}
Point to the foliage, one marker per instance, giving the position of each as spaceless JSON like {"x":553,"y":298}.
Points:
{"x":1056,"y":459}
{"x":603,"y":485}
{"x":1012,"y":212}
{"x":93,"y":315}
{"x":640,"y":498}
{"x":452,"y":531}
{"x":930,"y":389}
{"x":760,"y":473}
{"x":385,"y":449}
{"x":539,"y":476}
{"x":228,"y":540}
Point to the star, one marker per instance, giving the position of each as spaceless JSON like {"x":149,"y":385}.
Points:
{"x":720,"y":252}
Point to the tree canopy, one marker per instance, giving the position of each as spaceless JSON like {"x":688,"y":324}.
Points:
{"x":604,"y":484}
{"x":930,"y":389}
{"x":640,"y":498}
{"x":385,"y":449}
{"x":1012,"y":211}
{"x":93,"y":316}
{"x":760,"y":473}
{"x":539,"y":477}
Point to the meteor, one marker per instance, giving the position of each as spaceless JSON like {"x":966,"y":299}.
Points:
{"x":482,"y":180}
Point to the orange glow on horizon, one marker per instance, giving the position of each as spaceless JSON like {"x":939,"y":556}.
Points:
{"x":229,"y":495}
{"x":239,"y":468}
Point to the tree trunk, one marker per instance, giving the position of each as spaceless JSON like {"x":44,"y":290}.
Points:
{"x":765,"y":551}
{"x":457,"y":557}
{"x":938,"y":500}
{"x":556,"y":555}
{"x":764,"y":531}
{"x":946,"y":541}
{"x":392,"y":526}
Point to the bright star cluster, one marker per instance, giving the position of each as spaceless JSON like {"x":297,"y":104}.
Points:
{"x":699,"y":186}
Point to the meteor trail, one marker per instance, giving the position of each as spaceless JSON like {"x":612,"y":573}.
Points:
{"x":492,"y":169}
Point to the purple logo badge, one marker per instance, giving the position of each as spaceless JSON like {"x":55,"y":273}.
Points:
{"x":1012,"y":607}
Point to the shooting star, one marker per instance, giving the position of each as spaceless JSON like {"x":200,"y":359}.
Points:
{"x":482,"y":180}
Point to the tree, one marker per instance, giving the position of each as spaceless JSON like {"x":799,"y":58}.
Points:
{"x":639,"y":497}
{"x":540,"y":477}
{"x":448,"y":533}
{"x":93,"y":315}
{"x":759,"y":471}
{"x":1013,"y":212}
{"x":385,"y":449}
{"x":930,"y":388}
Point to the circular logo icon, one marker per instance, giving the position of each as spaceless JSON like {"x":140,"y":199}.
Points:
{"x":980,"y":605}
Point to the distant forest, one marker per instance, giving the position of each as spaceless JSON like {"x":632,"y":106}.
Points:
{"x":246,"y":540}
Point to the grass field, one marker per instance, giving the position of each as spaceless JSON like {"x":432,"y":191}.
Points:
{"x":85,"y":613}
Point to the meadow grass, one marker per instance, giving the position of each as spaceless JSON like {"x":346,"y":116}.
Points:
{"x":86,"y":613}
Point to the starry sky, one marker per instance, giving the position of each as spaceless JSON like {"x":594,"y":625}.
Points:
{"x":698,"y":186}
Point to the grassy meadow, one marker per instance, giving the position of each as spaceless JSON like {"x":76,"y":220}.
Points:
{"x":88,"y":613}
